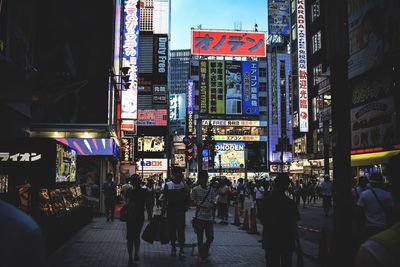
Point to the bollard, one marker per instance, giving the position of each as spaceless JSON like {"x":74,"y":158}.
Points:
{"x":253,"y":222}
{"x":237,"y":216}
{"x":245,"y":225}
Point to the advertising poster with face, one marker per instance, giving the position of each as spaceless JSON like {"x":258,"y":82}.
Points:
{"x":231,"y":153}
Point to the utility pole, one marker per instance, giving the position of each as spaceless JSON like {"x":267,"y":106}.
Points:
{"x":337,"y":30}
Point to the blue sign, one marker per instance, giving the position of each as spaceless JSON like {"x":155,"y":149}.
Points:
{"x":250,"y":88}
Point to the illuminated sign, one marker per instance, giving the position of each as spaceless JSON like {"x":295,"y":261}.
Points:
{"x":216,"y":87}
{"x":152,"y":117}
{"x":6,"y":156}
{"x":231,"y":155}
{"x":65,"y":164}
{"x":233,"y":123}
{"x":159,"y":94}
{"x":250,"y":88}
{"x":151,"y":144}
{"x":128,"y":125}
{"x":177,"y":107}
{"x":91,"y":146}
{"x":160,"y":60}
{"x":153,"y":165}
{"x":203,"y":86}
{"x":127,"y":147}
{"x":278,"y":17}
{"x":302,"y":66}
{"x":261,"y":138}
{"x":233,"y":77}
{"x":130,"y":58}
{"x":190,"y":106}
{"x":228,"y":43}
{"x":180,"y":160}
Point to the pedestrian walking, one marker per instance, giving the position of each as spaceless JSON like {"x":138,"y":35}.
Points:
{"x":110,"y":196}
{"x":382,"y":249}
{"x":223,"y":195}
{"x":150,"y":198}
{"x":136,"y":197}
{"x":296,"y":192}
{"x":176,"y":198}
{"x":126,"y":188}
{"x":241,"y":193}
{"x":326,"y":191}
{"x":279,"y":218}
{"x":259,"y":191}
{"x":203,"y":197}
{"x":303,"y":192}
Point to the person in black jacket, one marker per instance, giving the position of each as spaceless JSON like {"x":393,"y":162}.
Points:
{"x":136,"y":199}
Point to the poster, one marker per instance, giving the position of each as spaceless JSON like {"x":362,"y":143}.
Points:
{"x":233,"y":75}
{"x":231,"y":153}
{"x":278,"y":17}
{"x":216,"y":87}
{"x":250,"y":88}
{"x":65,"y":164}
{"x":151,"y":144}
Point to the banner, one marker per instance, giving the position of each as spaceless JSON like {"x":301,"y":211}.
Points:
{"x":274,"y":86}
{"x":203,"y":86}
{"x":278,"y":17}
{"x":160,"y":58}
{"x":250,"y":88}
{"x":190,"y":106}
{"x":130,"y":53}
{"x":233,"y":75}
{"x":302,"y":66}
{"x":228,"y":43}
{"x":216,"y":87}
{"x":177,"y":107}
{"x":231,"y":155}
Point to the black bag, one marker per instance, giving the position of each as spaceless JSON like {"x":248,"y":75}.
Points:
{"x":195,"y":221}
{"x":160,"y":228}
{"x":149,"y":233}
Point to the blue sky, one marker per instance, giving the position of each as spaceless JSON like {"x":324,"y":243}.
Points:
{"x":214,"y":14}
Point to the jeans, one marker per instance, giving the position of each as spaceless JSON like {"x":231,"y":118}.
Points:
{"x":176,"y":227}
{"x":208,"y":228}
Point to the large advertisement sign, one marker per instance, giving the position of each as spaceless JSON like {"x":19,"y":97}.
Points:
{"x":152,"y":117}
{"x":216,"y":87}
{"x":302,"y":66}
{"x":117,"y":36}
{"x":177,"y":107}
{"x":160,"y":94}
{"x":374,"y":124}
{"x":250,"y":88}
{"x":160,"y":60}
{"x":278,"y":17}
{"x":130,"y":58}
{"x":190,"y":106}
{"x":233,"y":75}
{"x":231,"y":153}
{"x":373,"y":25}
{"x":151,"y":144}
{"x":153,"y":165}
{"x":65,"y":164}
{"x":228,"y":43}
{"x":203,"y":86}
{"x":92,"y":146}
{"x":274,"y":89}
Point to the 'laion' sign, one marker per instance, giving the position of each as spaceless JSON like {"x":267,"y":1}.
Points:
{"x":302,"y":65}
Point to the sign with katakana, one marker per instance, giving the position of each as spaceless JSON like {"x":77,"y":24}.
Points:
{"x":250,"y":88}
{"x":302,"y":66}
{"x":203,"y":86}
{"x":22,"y":156}
{"x":228,"y":43}
{"x":216,"y":87}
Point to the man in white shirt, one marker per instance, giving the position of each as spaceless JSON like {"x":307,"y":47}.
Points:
{"x":326,"y":189}
{"x":259,"y":190}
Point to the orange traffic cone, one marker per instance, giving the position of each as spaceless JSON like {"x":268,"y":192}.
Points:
{"x":245,"y":225}
{"x":253,"y":222}
{"x":237,"y":216}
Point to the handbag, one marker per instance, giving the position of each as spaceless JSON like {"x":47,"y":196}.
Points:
{"x":195,"y":220}
{"x":149,"y":233}
{"x":160,"y":229}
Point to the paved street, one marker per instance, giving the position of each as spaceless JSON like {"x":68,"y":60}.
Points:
{"x":103,"y":244}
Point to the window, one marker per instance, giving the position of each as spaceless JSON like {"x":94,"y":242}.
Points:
{"x":327,"y":99}
{"x":315,"y":10}
{"x":263,"y":101}
{"x":294,"y":33}
{"x":316,"y":42}
{"x":262,"y":72}
{"x":317,"y":72}
{"x":262,"y":87}
{"x":293,"y":5}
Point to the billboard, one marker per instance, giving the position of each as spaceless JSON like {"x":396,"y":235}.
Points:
{"x":203,"y":86}
{"x":190,"y":106}
{"x":130,"y":58}
{"x":151,"y":144}
{"x":233,"y":76}
{"x":231,"y":153}
{"x":216,"y":87}
{"x":302,"y":66}
{"x":65,"y":164}
{"x":153,"y":165}
{"x":278,"y":17}
{"x":127,"y":147}
{"x":152,"y":117}
{"x":177,"y":107}
{"x":373,"y":24}
{"x":117,"y":37}
{"x":250,"y":88}
{"x":228,"y":43}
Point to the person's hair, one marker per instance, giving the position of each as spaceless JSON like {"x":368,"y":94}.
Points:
{"x":282,"y":181}
{"x":203,"y":174}
{"x":240,"y":180}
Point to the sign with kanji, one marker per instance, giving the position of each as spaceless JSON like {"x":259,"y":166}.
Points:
{"x":216,"y":87}
{"x":203,"y":86}
{"x":250,"y":88}
{"x":302,"y":66}
{"x":228,"y":43}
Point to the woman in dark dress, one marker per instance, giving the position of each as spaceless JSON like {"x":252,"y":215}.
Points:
{"x":136,"y":199}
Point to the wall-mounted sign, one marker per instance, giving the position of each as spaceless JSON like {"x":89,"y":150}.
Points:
{"x":277,"y":168}
{"x":128,"y":125}
{"x":130,"y":58}
{"x":177,"y":107}
{"x":240,"y":138}
{"x":145,"y":82}
{"x":92,"y":146}
{"x":127,"y":148}
{"x":180,"y":160}
{"x":160,"y":60}
{"x":152,"y":117}
{"x":231,"y":155}
{"x":151,"y":144}
{"x":65,"y":164}
{"x":232,"y":123}
{"x":159,"y":94}
{"x":278,"y":17}
{"x":153,"y":165}
{"x":216,"y":87}
{"x":233,"y":77}
{"x":203,"y":86}
{"x":302,"y":66}
{"x":250,"y":88}
{"x":190,"y":106}
{"x":228,"y":43}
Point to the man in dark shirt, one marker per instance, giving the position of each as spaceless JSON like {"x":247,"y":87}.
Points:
{"x":21,"y":241}
{"x":110,"y":195}
{"x":279,"y":217}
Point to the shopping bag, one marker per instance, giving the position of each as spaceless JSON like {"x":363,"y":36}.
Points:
{"x":161,"y":229}
{"x":149,"y":233}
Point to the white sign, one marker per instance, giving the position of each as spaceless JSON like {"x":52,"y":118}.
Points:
{"x":302,"y":65}
{"x":231,"y":123}
{"x":6,"y":156}
{"x":153,"y":165}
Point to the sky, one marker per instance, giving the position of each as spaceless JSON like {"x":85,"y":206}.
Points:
{"x":214,"y":14}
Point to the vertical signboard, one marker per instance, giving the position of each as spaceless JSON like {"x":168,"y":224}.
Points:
{"x":127,"y":150}
{"x":130,"y":58}
{"x":160,"y":94}
{"x":216,"y":87}
{"x":203,"y":86}
{"x":160,"y":68}
{"x":117,"y":36}
{"x":250,"y":88}
{"x":233,"y":75}
{"x":190,"y":106}
{"x":278,"y":17}
{"x":302,"y":66}
{"x":274,"y":87}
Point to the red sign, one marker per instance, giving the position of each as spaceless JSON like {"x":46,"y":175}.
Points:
{"x":226,"y":43}
{"x":152,"y":117}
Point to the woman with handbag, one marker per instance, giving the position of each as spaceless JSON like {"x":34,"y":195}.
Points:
{"x":136,"y":199}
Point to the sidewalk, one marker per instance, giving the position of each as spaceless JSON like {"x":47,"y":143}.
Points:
{"x":103,"y":244}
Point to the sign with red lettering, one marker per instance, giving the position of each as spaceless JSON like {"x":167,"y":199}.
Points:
{"x":228,"y":43}
{"x":153,"y":165}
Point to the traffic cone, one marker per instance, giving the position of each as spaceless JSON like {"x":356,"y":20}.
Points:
{"x":245,"y":225}
{"x":237,"y":216}
{"x":253,"y":222}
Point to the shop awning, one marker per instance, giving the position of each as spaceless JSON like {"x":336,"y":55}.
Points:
{"x":368,"y":159}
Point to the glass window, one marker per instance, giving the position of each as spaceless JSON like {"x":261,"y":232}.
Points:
{"x":317,"y":72}
{"x":316,"y":42}
{"x":262,"y":72}
{"x":315,"y":10}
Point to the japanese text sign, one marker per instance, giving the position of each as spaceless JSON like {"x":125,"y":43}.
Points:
{"x":152,"y":117}
{"x":190,"y":106}
{"x":216,"y":86}
{"x":203,"y":86}
{"x":228,"y":43}
{"x":302,"y":65}
{"x":250,"y":88}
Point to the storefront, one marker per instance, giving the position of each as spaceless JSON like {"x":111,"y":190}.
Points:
{"x":366,"y":164}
